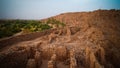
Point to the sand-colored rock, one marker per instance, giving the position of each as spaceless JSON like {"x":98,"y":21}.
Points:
{"x":31,"y":63}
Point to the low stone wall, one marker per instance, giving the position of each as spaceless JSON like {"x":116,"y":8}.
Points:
{"x":26,"y":37}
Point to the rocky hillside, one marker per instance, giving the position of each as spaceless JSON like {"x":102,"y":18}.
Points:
{"x":89,"y":40}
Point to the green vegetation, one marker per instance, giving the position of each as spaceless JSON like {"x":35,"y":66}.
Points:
{"x":55,"y":22}
{"x":11,"y":27}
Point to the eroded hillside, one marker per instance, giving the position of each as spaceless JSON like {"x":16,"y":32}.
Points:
{"x":89,"y":40}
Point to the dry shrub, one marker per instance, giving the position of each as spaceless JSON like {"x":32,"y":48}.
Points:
{"x":31,"y":63}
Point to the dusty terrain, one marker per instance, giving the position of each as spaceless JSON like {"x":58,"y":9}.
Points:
{"x":89,"y":40}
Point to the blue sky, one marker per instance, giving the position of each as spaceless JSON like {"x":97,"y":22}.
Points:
{"x":39,"y":9}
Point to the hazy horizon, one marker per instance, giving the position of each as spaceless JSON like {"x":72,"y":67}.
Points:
{"x":39,"y":9}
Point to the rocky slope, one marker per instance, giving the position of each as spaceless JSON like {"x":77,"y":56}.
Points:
{"x":89,"y":40}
